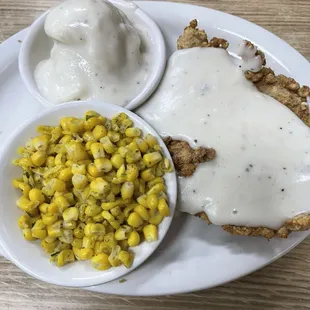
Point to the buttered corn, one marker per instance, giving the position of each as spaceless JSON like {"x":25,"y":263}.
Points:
{"x":92,"y":188}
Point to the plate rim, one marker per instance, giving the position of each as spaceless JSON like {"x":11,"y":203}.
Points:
{"x":302,"y":62}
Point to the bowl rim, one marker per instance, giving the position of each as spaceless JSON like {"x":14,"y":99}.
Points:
{"x":94,"y":280}
{"x":152,"y":83}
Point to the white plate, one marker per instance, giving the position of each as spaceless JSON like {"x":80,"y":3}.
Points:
{"x":193,"y":256}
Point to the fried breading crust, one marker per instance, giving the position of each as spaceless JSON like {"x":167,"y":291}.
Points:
{"x":298,"y":223}
{"x":194,"y":37}
{"x":285,"y":90}
{"x":185,"y":158}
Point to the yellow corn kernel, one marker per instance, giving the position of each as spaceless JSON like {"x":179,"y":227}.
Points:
{"x":38,"y":233}
{"x":50,"y":161}
{"x":88,"y":145}
{"x":113,"y":257}
{"x":69,"y":225}
{"x":133,"y":239}
{"x":115,"y":188}
{"x":123,"y":244}
{"x":35,"y":194}
{"x":77,"y":243}
{"x":76,"y":151}
{"x":60,"y":159}
{"x":67,"y":236}
{"x":108,"y":216}
{"x":108,"y":241}
{"x":28,"y":234}
{"x":58,"y":185}
{"x":108,"y":146}
{"x":26,"y":205}
{"x":157,"y":189}
{"x":115,"y":224}
{"x":79,"y":181}
{"x":24,"y":162}
{"x":150,"y":140}
{"x":76,"y":126}
{"x":114,"y":136}
{"x":98,"y":218}
{"x":117,"y":161}
{"x":155,"y":217}
{"x":101,"y":261}
{"x":150,"y":233}
{"x":126,"y":258}
{"x":142,"y":200}
{"x":165,"y":165}
{"x":62,"y":203}
{"x":49,"y":219}
{"x":100,"y":186}
{"x":24,"y":222}
{"x":116,"y":211}
{"x":52,"y":208}
{"x":129,"y":208}
{"x":133,"y":132}
{"x":142,"y":145}
{"x":127,"y":190}
{"x":65,"y":139}
{"x":16,"y":182}
{"x":78,"y":169}
{"x":25,"y":188}
{"x":93,"y":210}
{"x":132,"y":172}
{"x":88,"y":136}
{"x":148,"y":175}
{"x":158,"y":171}
{"x":44,"y":208}
{"x":141,"y":165}
{"x":49,"y":239}
{"x":49,"y":248}
{"x":163,"y":208}
{"x":89,"y":114}
{"x":65,"y":175}
{"x":64,"y":123}
{"x":152,"y":201}
{"x":97,"y":150}
{"x":93,"y":171}
{"x":64,"y":257}
{"x":38,"y":158}
{"x":94,"y":229}
{"x":89,"y":242}
{"x":69,"y":163}
{"x":99,"y":132}
{"x":155,"y":181}
{"x":78,"y":232}
{"x":152,"y":159}
{"x":55,"y":230}
{"x":142,"y":212}
{"x":123,"y":232}
{"x":133,"y":156}
{"x":134,"y":219}
{"x":70,"y":198}
{"x":71,"y":214}
{"x":91,"y":123}
{"x":40,"y":143}
{"x":103,"y":164}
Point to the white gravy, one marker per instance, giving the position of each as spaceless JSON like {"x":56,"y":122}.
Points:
{"x":97,"y":54}
{"x":261,"y":176}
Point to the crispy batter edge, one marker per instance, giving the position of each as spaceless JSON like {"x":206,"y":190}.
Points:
{"x":285,"y":90}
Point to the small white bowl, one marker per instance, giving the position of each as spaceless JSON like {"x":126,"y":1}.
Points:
{"x":29,"y":256}
{"x":37,"y":46}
